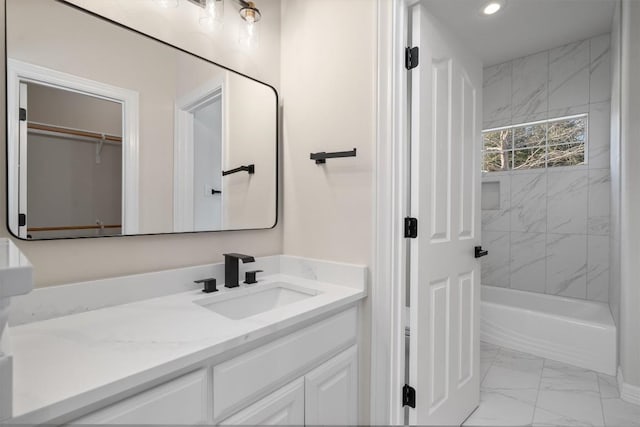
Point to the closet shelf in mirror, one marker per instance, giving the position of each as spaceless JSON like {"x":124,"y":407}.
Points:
{"x":40,"y":127}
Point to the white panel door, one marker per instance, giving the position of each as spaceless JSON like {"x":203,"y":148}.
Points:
{"x":331,"y":391}
{"x":283,"y":407}
{"x":446,"y":90}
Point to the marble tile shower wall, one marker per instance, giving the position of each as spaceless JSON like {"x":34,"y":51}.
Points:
{"x":551,"y":231}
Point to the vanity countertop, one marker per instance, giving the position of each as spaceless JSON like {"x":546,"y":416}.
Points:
{"x":66,"y":363}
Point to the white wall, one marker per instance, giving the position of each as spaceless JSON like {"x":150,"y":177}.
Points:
{"x":629,"y":196}
{"x":616,"y":50}
{"x":249,"y":199}
{"x":551,"y":233}
{"x":329,"y":97}
{"x":59,"y":262}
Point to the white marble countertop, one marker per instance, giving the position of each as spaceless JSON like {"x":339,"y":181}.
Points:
{"x":66,"y":363}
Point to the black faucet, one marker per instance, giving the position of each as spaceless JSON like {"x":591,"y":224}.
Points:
{"x":231,"y":267}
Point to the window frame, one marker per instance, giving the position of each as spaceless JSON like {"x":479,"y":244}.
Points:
{"x":512,"y":148}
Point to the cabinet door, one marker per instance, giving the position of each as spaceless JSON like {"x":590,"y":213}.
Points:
{"x":178,"y":402}
{"x":331,"y":391}
{"x":283,"y":407}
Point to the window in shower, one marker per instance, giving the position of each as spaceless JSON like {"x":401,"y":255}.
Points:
{"x":543,"y":144}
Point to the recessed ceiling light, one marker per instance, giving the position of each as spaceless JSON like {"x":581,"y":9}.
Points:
{"x":492,"y":8}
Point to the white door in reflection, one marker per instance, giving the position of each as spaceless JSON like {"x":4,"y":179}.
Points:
{"x":207,"y":165}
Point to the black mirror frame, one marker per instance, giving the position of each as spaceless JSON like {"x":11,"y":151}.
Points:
{"x":125,"y":27}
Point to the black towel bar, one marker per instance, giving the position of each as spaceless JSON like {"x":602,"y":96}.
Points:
{"x":322,"y":157}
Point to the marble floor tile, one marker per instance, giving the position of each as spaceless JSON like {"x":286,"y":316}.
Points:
{"x":568,"y":408}
{"x":608,"y":386}
{"x":488,"y":353}
{"x":504,"y":407}
{"x":557,"y":394}
{"x":561,"y":377}
{"x":618,"y":413}
{"x":514,"y":370}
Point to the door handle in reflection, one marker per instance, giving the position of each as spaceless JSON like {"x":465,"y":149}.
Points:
{"x":480,"y":252}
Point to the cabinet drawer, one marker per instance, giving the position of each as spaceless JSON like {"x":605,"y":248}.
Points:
{"x":241,"y":380}
{"x":283,"y":407}
{"x":178,"y":402}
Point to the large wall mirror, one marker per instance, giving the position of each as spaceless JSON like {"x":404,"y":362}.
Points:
{"x":111,"y":132}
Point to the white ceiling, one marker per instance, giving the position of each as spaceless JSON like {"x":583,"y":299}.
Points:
{"x":522,"y":27}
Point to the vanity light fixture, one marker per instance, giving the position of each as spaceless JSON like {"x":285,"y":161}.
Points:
{"x":492,"y":8}
{"x":213,"y":13}
{"x":249,"y":12}
{"x":249,"y":32}
{"x":166,"y":4}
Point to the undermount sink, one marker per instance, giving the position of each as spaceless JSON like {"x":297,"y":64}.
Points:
{"x":243,"y":303}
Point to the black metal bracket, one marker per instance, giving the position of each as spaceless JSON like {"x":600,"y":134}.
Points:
{"x":251,"y":169}
{"x":322,"y":157}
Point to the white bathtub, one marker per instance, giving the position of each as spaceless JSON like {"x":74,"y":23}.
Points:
{"x":573,"y":331}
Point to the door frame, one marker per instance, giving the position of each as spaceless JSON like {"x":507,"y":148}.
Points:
{"x":183,"y":219}
{"x":389,"y":273}
{"x":19,"y":71}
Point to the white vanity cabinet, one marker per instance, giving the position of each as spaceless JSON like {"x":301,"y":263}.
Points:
{"x":178,"y":402}
{"x":306,"y":377}
{"x":328,"y":395}
{"x":331,"y":391}
{"x":283,"y":407}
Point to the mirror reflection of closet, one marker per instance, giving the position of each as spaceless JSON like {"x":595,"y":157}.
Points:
{"x":74,"y":174}
{"x":198,"y":141}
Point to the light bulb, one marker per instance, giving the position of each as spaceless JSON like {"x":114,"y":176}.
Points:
{"x":249,"y":35}
{"x":213,"y":14}
{"x":167,"y":3}
{"x":492,"y":8}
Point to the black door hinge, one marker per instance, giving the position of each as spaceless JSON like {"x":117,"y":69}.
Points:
{"x":411,"y":57}
{"x":23,"y":115}
{"x":410,"y":228}
{"x":22,"y":220}
{"x":408,"y":396}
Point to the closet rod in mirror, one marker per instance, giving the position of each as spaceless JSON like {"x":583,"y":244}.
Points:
{"x":73,"y":132}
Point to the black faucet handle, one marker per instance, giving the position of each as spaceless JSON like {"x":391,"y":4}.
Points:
{"x":250,"y":277}
{"x":209,"y":285}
